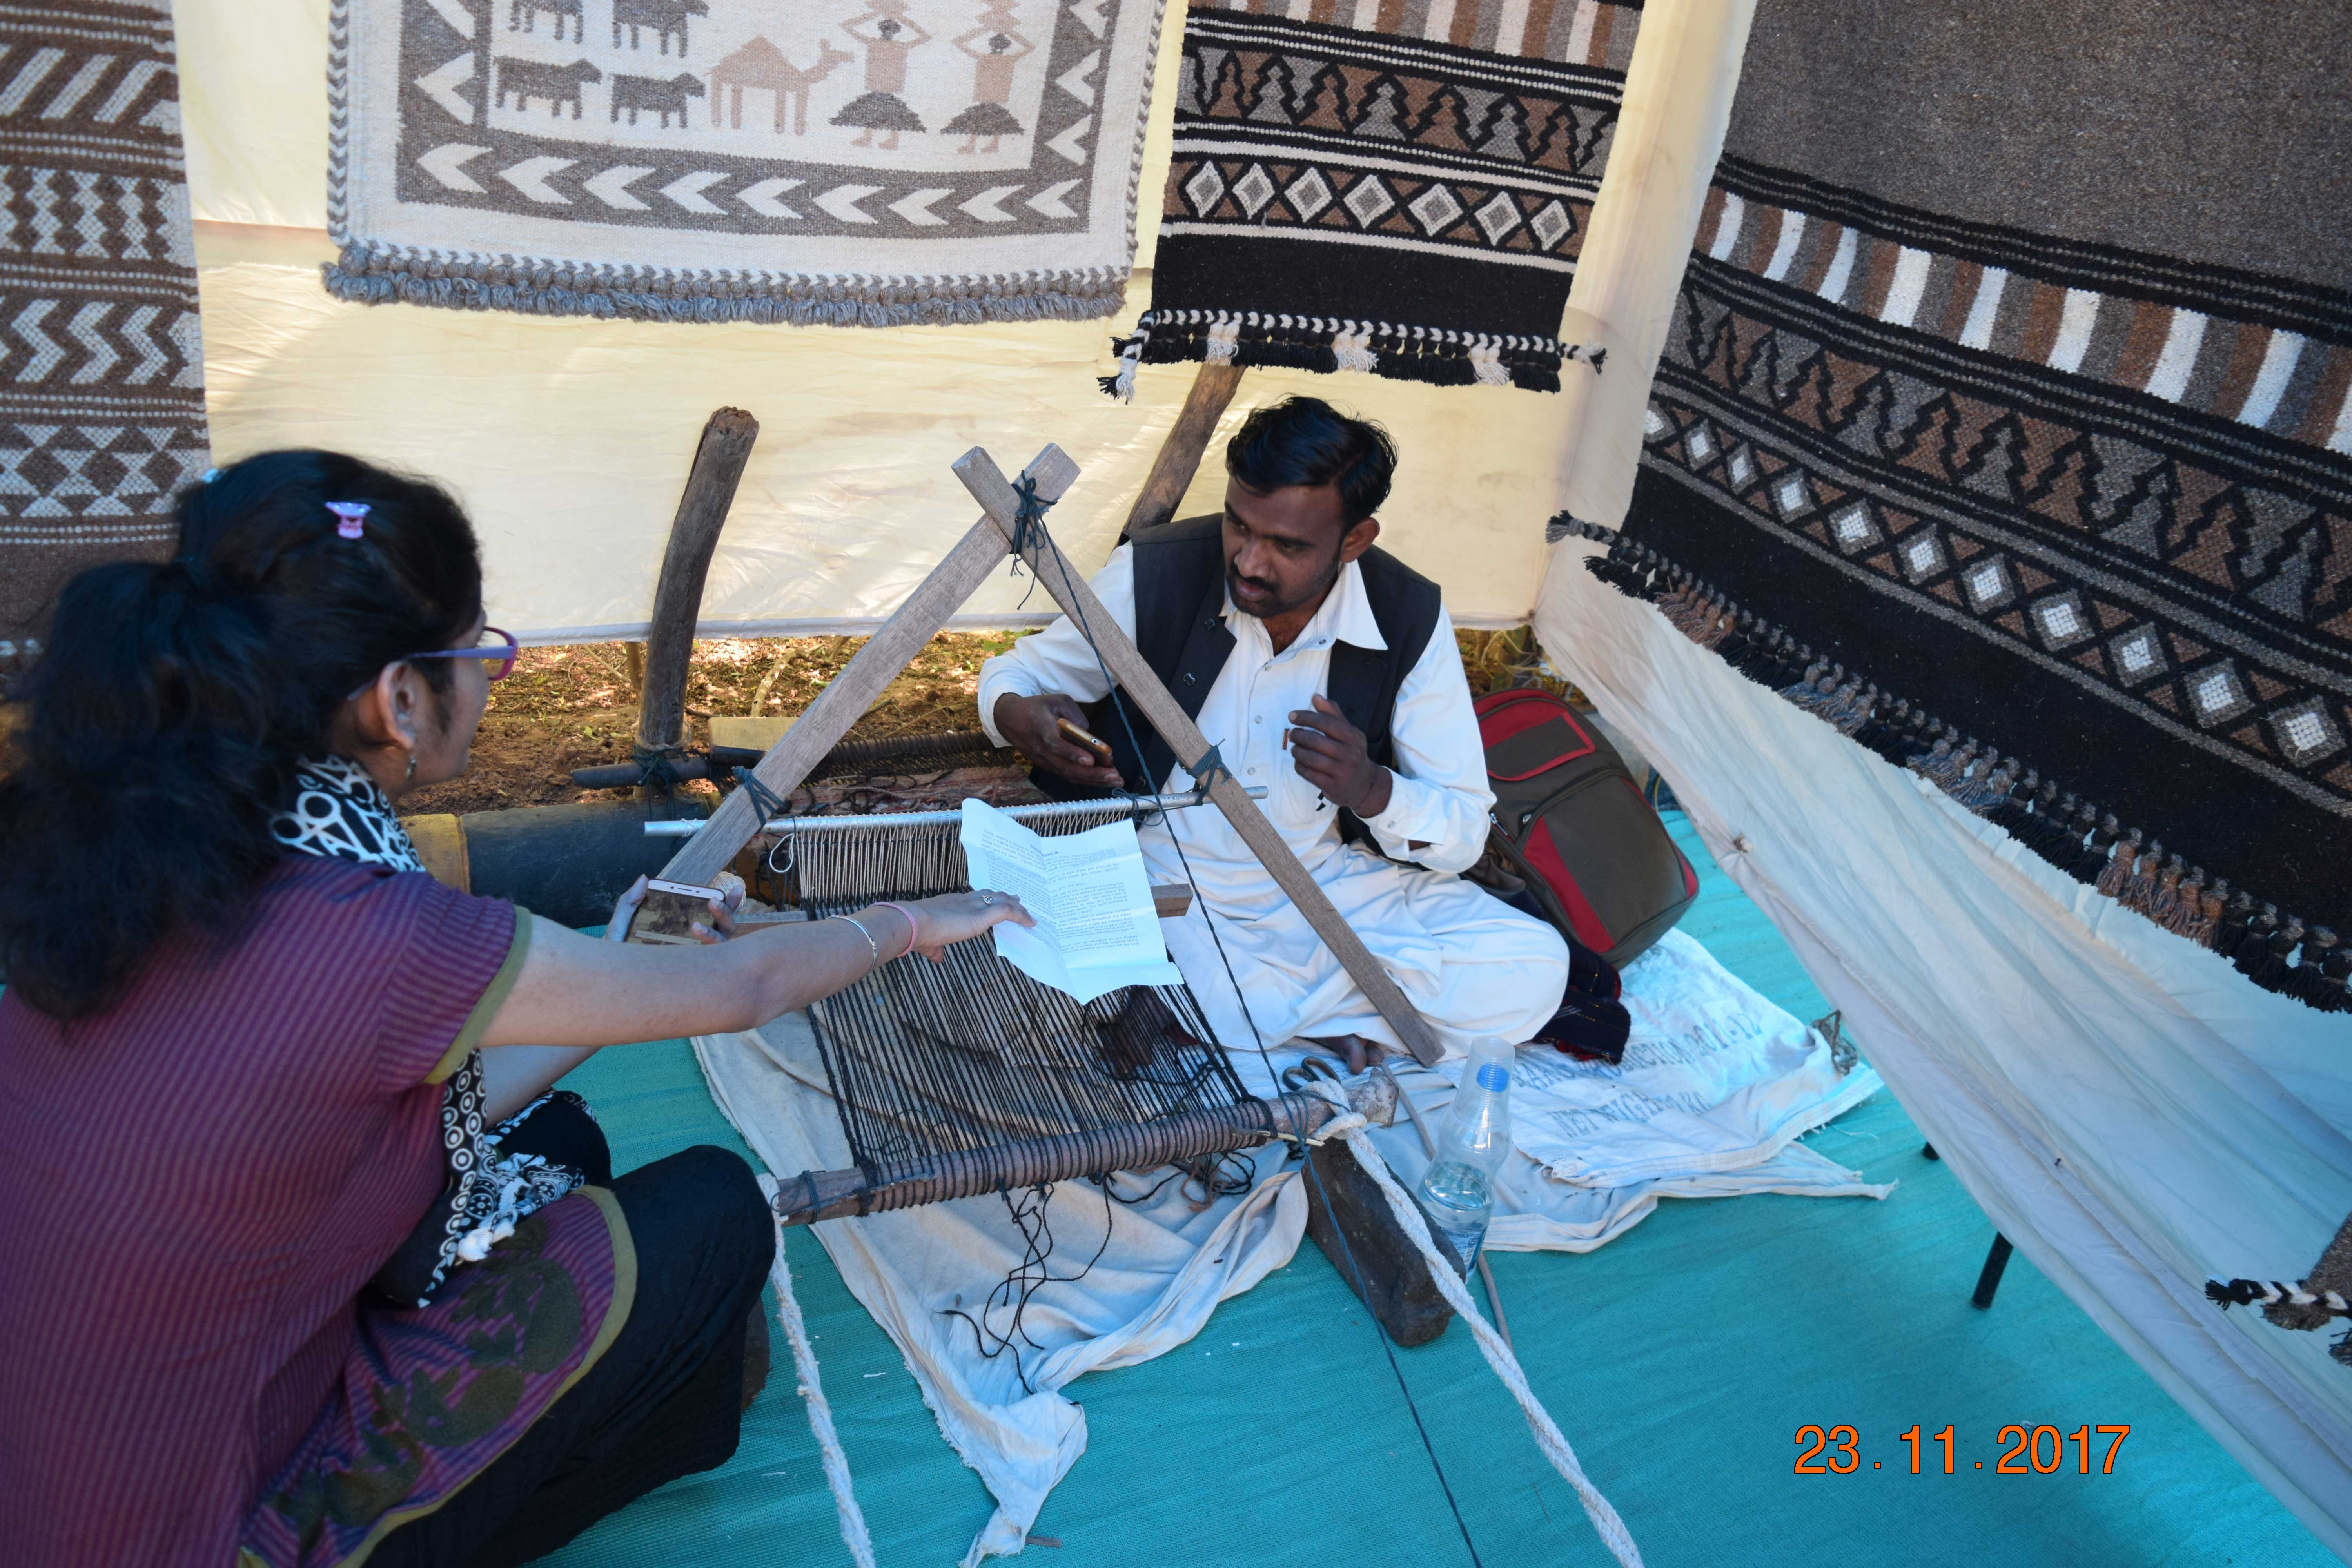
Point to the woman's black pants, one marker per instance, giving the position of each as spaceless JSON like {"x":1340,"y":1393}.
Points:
{"x":666,"y":1400}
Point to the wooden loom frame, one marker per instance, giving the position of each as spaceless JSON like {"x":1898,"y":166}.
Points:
{"x":844,"y":699}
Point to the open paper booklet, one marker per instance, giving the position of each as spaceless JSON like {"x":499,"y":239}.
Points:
{"x":1097,"y":928}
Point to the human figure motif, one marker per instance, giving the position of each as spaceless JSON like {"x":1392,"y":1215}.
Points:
{"x":889,"y":35}
{"x":760,"y":64}
{"x":992,"y":80}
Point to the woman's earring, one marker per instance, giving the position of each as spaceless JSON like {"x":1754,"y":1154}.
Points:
{"x":412,"y":764}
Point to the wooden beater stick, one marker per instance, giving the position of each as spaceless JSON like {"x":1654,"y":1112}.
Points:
{"x":987,"y":485}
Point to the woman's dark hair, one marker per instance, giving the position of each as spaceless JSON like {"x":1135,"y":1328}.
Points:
{"x":161,"y":730}
{"x":1305,"y":441}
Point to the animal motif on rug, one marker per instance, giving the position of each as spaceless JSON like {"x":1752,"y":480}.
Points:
{"x":874,"y":163}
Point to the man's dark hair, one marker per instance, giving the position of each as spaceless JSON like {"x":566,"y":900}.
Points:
{"x":1305,"y":441}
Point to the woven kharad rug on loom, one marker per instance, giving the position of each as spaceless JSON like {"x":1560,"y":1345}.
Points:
{"x":2005,"y":404}
{"x":101,"y":369}
{"x":877,"y":163}
{"x":1398,"y":186}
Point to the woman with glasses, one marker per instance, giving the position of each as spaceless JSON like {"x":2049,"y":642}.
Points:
{"x":301,"y":1262}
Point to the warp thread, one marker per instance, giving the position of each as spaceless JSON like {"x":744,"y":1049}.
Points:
{"x":2277,"y":953}
{"x":1012,"y":1294}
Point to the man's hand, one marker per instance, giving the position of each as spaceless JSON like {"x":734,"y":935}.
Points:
{"x":1028,"y":723}
{"x":1329,"y":754}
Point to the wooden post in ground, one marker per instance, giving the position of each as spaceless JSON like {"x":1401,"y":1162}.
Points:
{"x":719,"y":462}
{"x":1180,"y":453}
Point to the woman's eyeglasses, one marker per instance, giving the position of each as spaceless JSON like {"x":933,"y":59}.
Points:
{"x":503,"y":651}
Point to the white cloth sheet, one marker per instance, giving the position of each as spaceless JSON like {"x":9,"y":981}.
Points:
{"x":2123,"y":1105}
{"x":1718,"y":1085}
{"x":1472,"y":966}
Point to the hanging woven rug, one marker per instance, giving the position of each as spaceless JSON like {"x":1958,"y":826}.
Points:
{"x":874,"y":162}
{"x":102,"y":408}
{"x":1398,"y":186}
{"x":2027,"y":476}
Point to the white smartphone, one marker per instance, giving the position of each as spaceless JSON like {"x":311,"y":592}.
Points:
{"x":686,"y":890}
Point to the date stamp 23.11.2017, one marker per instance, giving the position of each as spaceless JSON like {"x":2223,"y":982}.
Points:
{"x":2024,"y":1450}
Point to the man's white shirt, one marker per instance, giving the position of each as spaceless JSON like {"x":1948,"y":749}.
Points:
{"x":1471,"y":965}
{"x":1438,"y":796}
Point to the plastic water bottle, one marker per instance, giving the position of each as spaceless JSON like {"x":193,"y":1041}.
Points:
{"x":1457,"y":1191}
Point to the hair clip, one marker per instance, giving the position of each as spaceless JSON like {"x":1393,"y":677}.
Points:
{"x":353,"y":513}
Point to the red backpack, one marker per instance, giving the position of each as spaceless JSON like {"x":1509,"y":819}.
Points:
{"x":1571,"y":825}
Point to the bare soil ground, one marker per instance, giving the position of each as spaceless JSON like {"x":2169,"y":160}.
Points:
{"x":575,"y":707}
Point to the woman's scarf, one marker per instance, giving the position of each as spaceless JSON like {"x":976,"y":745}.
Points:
{"x":339,"y":812}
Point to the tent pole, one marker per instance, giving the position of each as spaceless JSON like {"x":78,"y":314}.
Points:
{"x":1996,"y":1264}
{"x":1180,"y":454}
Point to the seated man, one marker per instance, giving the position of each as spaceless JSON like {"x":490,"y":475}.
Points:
{"x":1326,"y":670}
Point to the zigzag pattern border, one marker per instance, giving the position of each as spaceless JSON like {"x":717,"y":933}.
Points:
{"x":2278,"y":952}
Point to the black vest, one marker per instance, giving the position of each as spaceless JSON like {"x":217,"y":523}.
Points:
{"x":1180,"y":602}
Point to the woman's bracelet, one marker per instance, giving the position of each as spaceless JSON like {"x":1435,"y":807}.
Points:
{"x":873,"y":946}
{"x":914,"y":926}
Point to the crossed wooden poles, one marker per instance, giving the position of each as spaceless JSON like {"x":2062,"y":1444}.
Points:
{"x":926,"y":610}
{"x":828,"y":1194}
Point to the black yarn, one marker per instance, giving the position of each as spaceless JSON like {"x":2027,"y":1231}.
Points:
{"x":1028,"y":1213}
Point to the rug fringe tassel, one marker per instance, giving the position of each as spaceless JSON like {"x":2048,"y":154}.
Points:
{"x":2277,"y":952}
{"x":1322,"y":344}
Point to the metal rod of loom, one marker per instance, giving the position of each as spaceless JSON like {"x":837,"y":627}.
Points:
{"x":1048,"y":811}
{"x":1187,"y":1135}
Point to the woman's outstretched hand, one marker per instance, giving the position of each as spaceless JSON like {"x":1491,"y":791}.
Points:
{"x":573,"y":992}
{"x":953,"y":917}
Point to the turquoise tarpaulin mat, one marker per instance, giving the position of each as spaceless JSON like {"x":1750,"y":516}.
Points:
{"x":1682,"y":1360}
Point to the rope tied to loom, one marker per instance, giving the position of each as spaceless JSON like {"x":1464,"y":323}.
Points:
{"x":1028,"y":527}
{"x":657,"y":767}
{"x":1350,"y":1127}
